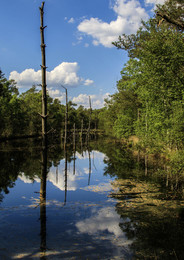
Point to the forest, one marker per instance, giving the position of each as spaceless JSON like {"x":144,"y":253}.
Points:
{"x":148,"y":105}
{"x":108,"y":183}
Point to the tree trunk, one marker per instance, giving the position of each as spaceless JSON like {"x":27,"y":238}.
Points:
{"x":43,"y":69}
{"x":66,"y":118}
{"x":89,"y":127}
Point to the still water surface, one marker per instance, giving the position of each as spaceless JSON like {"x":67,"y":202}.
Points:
{"x":75,"y":218}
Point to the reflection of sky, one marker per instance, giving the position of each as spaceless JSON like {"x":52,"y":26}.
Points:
{"x":87,"y":222}
{"x":105,"y":219}
{"x":81,"y":176}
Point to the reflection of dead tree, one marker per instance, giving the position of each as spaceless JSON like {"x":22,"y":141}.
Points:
{"x":65,"y":151}
{"x":57,"y":174}
{"x":94,"y":161}
{"x":74,"y":159}
{"x":81,"y":137}
{"x":43,"y":199}
{"x":74,"y":134}
{"x":82,"y":125}
{"x":89,"y":167}
{"x":74,"y":149}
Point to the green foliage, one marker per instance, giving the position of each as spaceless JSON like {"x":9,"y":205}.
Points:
{"x":31,"y":106}
{"x":20,"y":114}
{"x":10,"y":108}
{"x":150,"y":97}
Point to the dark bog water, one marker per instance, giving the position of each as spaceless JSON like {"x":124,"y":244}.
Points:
{"x":57,"y":205}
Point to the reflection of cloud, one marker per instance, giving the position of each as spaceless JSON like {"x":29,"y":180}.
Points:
{"x":96,"y":154}
{"x":26,"y":179}
{"x":106,"y":219}
{"x":73,"y":181}
{"x":101,"y":187}
{"x":86,"y":170}
{"x":60,"y":182}
{"x":82,"y":157}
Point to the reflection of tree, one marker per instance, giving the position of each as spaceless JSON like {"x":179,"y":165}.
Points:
{"x":119,"y":161}
{"x":43,"y":178}
{"x":66,"y":165}
{"x":15,"y":159}
{"x":152,"y":222}
{"x":89,"y":154}
{"x":9,"y":171}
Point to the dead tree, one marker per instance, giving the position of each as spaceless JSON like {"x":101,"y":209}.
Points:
{"x":89,"y":126}
{"x":66,"y":117}
{"x":43,"y":69}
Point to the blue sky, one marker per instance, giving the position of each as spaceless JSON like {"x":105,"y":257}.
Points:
{"x":79,"y":53}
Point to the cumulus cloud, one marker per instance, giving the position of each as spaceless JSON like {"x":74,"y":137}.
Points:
{"x":155,"y":2}
{"x":88,"y":82}
{"x":96,"y":100}
{"x":64,"y":74}
{"x":129,"y":15}
{"x":57,"y":94}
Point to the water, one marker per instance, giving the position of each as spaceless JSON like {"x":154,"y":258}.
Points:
{"x":57,"y":205}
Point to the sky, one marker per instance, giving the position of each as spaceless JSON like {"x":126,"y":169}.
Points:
{"x":78,"y":36}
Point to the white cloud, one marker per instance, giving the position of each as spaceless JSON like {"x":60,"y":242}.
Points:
{"x":96,"y":100}
{"x":155,"y":2}
{"x":129,"y":15}
{"x":63,"y":74}
{"x":56,"y":93}
{"x":88,"y":82}
{"x":71,"y":20}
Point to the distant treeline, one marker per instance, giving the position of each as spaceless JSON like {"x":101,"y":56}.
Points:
{"x":20,"y":113}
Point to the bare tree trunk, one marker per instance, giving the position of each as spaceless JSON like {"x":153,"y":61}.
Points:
{"x":66,"y":118}
{"x":89,"y":127}
{"x":44,"y":86}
